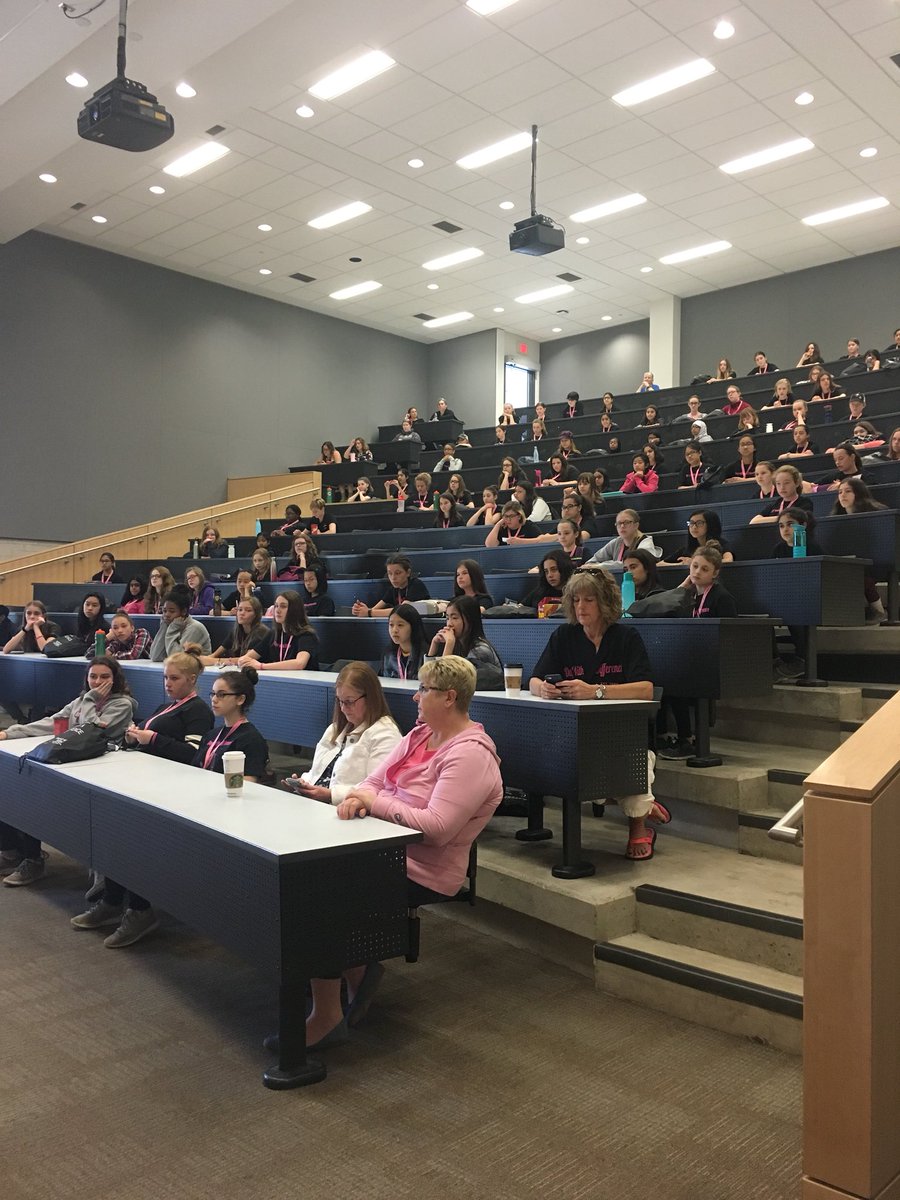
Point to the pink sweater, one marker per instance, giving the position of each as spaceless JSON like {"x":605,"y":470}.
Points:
{"x":450,"y":800}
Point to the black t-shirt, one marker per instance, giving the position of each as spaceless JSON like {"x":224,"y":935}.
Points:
{"x":528,"y":530}
{"x":280,"y":649}
{"x":243,"y":737}
{"x":238,"y":644}
{"x":114,"y":578}
{"x":717,"y":602}
{"x":691,"y":476}
{"x":231,"y":601}
{"x":318,"y":605}
{"x":317,"y":525}
{"x":49,"y":629}
{"x":483,"y":600}
{"x":687,"y":551}
{"x":783,"y":550}
{"x":575,"y":411}
{"x":737,"y":469}
{"x":414,"y":590}
{"x":589,"y":526}
{"x":780,"y":506}
{"x":839,"y":476}
{"x":621,"y":657}
{"x":179,"y":730}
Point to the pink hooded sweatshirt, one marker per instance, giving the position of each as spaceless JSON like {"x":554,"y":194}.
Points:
{"x":450,"y":798}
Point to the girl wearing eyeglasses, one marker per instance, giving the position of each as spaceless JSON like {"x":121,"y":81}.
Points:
{"x":231,"y":696}
{"x":703,"y":526}
{"x":361,"y":735}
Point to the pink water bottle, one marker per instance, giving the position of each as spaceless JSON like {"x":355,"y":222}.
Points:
{"x":537,"y":477}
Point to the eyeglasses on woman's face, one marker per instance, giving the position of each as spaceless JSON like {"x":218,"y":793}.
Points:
{"x":218,"y":693}
{"x":424,"y":688}
{"x":348,"y":701}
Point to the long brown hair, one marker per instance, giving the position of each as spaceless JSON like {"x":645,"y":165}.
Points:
{"x":360,"y":675}
{"x":153,"y":600}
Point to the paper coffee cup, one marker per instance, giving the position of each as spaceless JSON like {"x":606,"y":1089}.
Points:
{"x":60,"y":725}
{"x":233,"y":768}
{"x":512,"y":678}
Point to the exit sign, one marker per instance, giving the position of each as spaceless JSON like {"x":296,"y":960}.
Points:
{"x":523,"y":347}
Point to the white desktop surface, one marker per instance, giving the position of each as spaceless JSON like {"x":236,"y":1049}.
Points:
{"x":274,"y":820}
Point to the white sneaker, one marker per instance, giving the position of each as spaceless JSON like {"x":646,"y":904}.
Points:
{"x":97,"y":916}
{"x":29,"y":870}
{"x":136,"y":923}
{"x":875,"y":613}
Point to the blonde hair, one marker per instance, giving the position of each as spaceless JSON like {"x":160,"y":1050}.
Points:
{"x":601,"y":586}
{"x":187,"y":661}
{"x":451,"y":671}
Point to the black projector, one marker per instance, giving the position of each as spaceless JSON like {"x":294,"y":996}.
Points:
{"x":125,"y":115}
{"x":536,"y":235}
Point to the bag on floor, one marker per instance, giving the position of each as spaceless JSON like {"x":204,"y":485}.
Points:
{"x":76,"y":744}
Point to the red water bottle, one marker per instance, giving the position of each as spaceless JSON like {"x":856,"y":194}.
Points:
{"x":537,"y":477}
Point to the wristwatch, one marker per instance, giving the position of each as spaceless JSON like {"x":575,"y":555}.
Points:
{"x":600,"y":692}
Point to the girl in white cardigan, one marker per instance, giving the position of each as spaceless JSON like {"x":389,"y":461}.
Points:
{"x":360,"y":737}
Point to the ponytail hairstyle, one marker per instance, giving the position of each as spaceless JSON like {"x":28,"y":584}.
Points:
{"x":243,"y":683}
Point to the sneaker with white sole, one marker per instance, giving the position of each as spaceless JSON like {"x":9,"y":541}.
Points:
{"x":136,"y":924}
{"x":9,"y":860}
{"x":97,"y":916}
{"x":95,"y":890}
{"x":29,"y":870}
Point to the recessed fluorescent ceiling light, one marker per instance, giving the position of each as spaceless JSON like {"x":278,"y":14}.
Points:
{"x":723,"y":31}
{"x":697,"y":252}
{"x":305,"y":111}
{"x":344,"y":79}
{"x":646,"y":270}
{"x":186,"y":91}
{"x":499,"y":310}
{"x":194,"y":160}
{"x":610,"y":207}
{"x":99,"y":220}
{"x":433,"y":287}
{"x":76,"y":80}
{"x":264,"y":228}
{"x":452,"y":319}
{"x":606,"y":318}
{"x":763,"y":157}
{"x":582,"y":241}
{"x":338,"y":215}
{"x":561,"y":289}
{"x":357,"y":289}
{"x":47,"y":177}
{"x":453,"y":260}
{"x":846,"y":210}
{"x":157,"y":190}
{"x":868,"y":152}
{"x":556,"y":329}
{"x":506,"y":205}
{"x":480,"y":158}
{"x":416,"y":163}
{"x":264,"y":271}
{"x":804,"y":98}
{"x":658,"y":85}
{"x":485,"y":8}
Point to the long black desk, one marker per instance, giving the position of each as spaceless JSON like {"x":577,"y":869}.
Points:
{"x":588,"y":749}
{"x":276,"y":878}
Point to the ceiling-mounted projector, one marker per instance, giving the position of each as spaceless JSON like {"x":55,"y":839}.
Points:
{"x":536,"y":234}
{"x":123,"y":113}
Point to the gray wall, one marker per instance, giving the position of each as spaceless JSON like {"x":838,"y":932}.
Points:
{"x":856,"y":297}
{"x":464,"y":371}
{"x":605,"y":360}
{"x":131,"y":392}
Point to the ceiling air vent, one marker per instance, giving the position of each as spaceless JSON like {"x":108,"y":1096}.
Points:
{"x":303,"y":278}
{"x":568,"y":277}
{"x":422,"y":317}
{"x":448,"y":227}
{"x":78,"y":207}
{"x":215,"y":130}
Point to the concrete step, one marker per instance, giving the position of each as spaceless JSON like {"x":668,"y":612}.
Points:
{"x":721,"y":927}
{"x":703,"y":987}
{"x":868,"y":656}
{"x":754,"y":840}
{"x":816,"y":718}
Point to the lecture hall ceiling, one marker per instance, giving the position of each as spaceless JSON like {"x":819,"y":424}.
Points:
{"x":462,"y":81}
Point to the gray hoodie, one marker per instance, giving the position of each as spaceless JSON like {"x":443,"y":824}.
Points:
{"x":173,"y":637}
{"x":115,"y":715}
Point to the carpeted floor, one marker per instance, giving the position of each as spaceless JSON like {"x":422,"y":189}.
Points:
{"x":482,"y":1071}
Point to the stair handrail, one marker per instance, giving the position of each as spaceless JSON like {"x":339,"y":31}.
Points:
{"x":790,"y":827}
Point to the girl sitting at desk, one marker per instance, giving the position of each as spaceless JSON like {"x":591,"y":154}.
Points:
{"x":248,"y":634}
{"x":104,"y":701}
{"x":292,"y":644}
{"x":406,"y":651}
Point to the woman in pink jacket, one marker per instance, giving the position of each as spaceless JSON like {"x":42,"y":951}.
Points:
{"x":443,"y":778}
{"x":642,"y":477}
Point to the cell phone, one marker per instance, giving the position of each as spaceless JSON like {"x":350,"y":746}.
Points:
{"x":554,"y":679}
{"x":293,"y":785}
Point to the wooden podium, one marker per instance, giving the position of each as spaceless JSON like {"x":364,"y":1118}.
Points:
{"x":851,"y":1123}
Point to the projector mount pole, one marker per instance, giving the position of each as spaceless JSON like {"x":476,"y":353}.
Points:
{"x":120,"y":45}
{"x":534,"y":131}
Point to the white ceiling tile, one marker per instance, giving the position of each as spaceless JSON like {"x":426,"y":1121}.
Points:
{"x":246,"y":177}
{"x":233,"y":215}
{"x":554,"y":24}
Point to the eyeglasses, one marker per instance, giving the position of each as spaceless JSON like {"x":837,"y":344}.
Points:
{"x":214,"y":695}
{"x":423,"y":687}
{"x":348,"y":703}
{"x":622,"y":524}
{"x":694,"y":524}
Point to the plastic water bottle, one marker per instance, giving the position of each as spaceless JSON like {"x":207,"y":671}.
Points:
{"x":827,"y":414}
{"x":329,"y":494}
{"x":401,"y":502}
{"x":436,"y":501}
{"x":99,"y":644}
{"x":799,"y":549}
{"x":231,"y":549}
{"x":195,"y":549}
{"x":537,"y":477}
{"x":273,"y":570}
{"x":536,"y":457}
{"x":628,"y":596}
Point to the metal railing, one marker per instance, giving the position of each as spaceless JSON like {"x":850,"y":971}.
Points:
{"x":790,"y":827}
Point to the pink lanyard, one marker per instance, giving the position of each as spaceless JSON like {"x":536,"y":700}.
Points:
{"x":787,"y":504}
{"x":105,"y":578}
{"x":219,"y":741}
{"x":171,"y":708}
{"x":282,"y":653}
{"x":699,"y":603}
{"x":695,"y":474}
{"x":745,"y":471}
{"x":401,"y":666}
